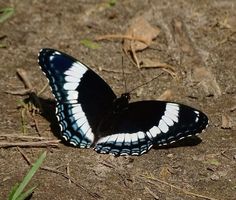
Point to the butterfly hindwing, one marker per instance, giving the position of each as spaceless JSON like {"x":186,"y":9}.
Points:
{"x":81,"y":96}
{"x":148,"y":123}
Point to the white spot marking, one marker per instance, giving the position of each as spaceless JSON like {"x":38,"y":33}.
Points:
{"x":65,"y":137}
{"x":127,"y":138}
{"x":172,"y":106}
{"x":74,"y":101}
{"x":72,"y":79}
{"x":90,"y":135}
{"x":167,"y":120}
{"x":57,"y":53}
{"x":70,"y":86}
{"x":51,"y":58}
{"x":120,"y":138}
{"x":112,"y":138}
{"x":149,"y":135}
{"x":141,"y":135}
{"x":103,"y":140}
{"x":71,"y":142}
{"x":172,"y":116}
{"x":77,"y":116}
{"x":72,"y":95}
{"x":196,"y":112}
{"x":76,"y":109}
{"x":196,"y":120}
{"x":134,"y":137}
{"x":163,"y":126}
{"x":81,"y":121}
{"x":85,"y":127}
{"x":154,"y":131}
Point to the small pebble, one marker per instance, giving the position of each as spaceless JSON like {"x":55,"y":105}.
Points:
{"x":215,"y":177}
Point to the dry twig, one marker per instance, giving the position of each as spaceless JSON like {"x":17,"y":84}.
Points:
{"x":152,"y":181}
{"x":24,"y":137}
{"x":152,"y":193}
{"x":120,"y":36}
{"x":48,"y":143}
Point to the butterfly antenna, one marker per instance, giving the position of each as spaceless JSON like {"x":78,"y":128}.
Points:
{"x":146,"y":82}
{"x":123,"y":73}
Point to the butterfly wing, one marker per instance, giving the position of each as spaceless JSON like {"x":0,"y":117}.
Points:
{"x":148,"y":123}
{"x":81,"y":96}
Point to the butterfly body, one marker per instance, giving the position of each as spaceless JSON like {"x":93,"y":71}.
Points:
{"x":90,"y":114}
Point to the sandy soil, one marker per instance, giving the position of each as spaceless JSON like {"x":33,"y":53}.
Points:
{"x":197,"y":38}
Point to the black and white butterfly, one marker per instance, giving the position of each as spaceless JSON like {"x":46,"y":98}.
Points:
{"x":90,"y":114}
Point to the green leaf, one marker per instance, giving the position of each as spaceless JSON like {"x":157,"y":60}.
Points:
{"x":112,"y":2}
{"x":6,"y":13}
{"x":26,"y":194}
{"x":214,"y":161}
{"x":29,"y":176}
{"x":13,"y":190}
{"x":3,"y":46}
{"x":90,"y":44}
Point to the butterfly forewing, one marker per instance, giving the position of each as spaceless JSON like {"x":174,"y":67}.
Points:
{"x":81,"y":96}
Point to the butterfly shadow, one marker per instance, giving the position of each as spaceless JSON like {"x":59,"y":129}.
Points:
{"x":47,"y":108}
{"x":189,"y":141}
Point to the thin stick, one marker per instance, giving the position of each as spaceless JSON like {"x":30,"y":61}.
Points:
{"x":151,"y":180}
{"x":68,"y":171}
{"x":151,"y":192}
{"x":134,"y":55}
{"x":23,"y":75}
{"x":94,"y":195}
{"x":22,"y":92}
{"x":37,"y":126}
{"x":114,"y":71}
{"x":51,"y":143}
{"x":24,"y":156}
{"x":43,"y":89}
{"x":23,"y":137}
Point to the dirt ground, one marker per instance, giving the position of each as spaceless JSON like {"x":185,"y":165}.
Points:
{"x":197,"y":38}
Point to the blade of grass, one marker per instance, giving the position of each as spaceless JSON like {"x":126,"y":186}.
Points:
{"x":6,"y":13}
{"x":29,"y":175}
{"x":13,"y":190}
{"x":26,"y":194}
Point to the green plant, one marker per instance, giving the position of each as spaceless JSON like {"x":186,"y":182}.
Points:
{"x":17,"y":191}
{"x":5,"y":13}
{"x":90,"y":44}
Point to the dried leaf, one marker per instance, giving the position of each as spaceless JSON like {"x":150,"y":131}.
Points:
{"x":166,"y":95}
{"x":207,"y":80}
{"x":140,"y":28}
{"x":181,"y":36}
{"x":150,"y":63}
{"x":165,"y":172}
{"x":226,"y":122}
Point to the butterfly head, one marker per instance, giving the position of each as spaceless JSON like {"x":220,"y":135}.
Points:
{"x":125,"y":96}
{"x":121,"y":103}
